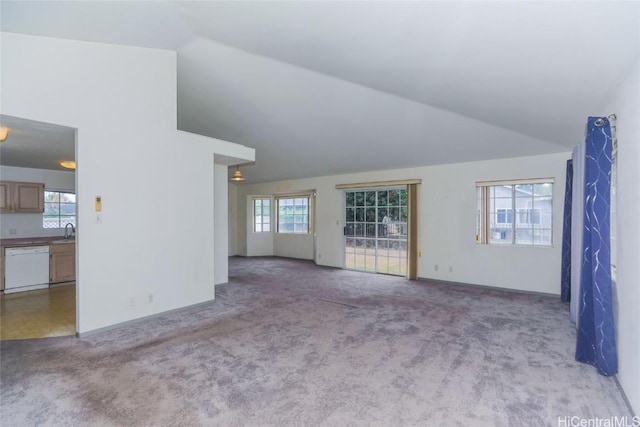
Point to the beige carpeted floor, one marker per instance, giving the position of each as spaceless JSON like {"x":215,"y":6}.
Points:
{"x":289,"y":343}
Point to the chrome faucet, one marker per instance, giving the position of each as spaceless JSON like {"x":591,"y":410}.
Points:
{"x":68,"y":235}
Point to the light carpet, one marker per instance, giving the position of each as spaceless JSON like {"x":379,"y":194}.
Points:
{"x":289,"y":343}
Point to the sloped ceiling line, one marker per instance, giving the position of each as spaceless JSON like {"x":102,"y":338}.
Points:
{"x":335,"y":87}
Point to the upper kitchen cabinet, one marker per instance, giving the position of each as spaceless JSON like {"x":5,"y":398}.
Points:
{"x":21,"y":197}
{"x":5,"y":196}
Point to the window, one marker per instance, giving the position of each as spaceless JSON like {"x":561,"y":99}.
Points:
{"x":261,"y":215}
{"x":293,"y":214}
{"x":504,"y":216}
{"x":532,"y":202}
{"x":529,"y":216}
{"x":59,"y":209}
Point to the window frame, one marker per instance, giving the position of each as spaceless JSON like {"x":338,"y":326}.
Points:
{"x":262,"y":222}
{"x":486,"y":195}
{"x":59,"y":216}
{"x":307,"y":214}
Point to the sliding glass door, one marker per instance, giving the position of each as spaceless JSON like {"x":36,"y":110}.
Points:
{"x":376,"y":230}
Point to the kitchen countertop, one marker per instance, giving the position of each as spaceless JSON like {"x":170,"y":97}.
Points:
{"x":32,"y":241}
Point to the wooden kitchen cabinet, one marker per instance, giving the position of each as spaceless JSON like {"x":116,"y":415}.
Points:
{"x":28,"y":197}
{"x":5,"y":196}
{"x":1,"y":269}
{"x":21,"y":197}
{"x":62,"y":266}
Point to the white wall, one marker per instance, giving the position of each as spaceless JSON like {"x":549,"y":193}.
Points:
{"x":233,"y":219}
{"x":293,"y":245}
{"x":30,"y":224}
{"x":447,"y":227}
{"x":626,"y":105}
{"x":154,"y":247}
{"x":221,"y":218}
{"x":447,"y":221}
{"x":288,"y":245}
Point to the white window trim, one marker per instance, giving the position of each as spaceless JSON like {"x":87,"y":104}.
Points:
{"x":277,"y":199}
{"x":549,"y":180}
{"x":484,"y":227}
{"x":75,"y":216}
{"x":253,"y":214}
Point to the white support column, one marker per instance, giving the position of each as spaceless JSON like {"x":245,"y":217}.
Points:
{"x":221,"y":224}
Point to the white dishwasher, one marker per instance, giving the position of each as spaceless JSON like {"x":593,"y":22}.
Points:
{"x":26,"y":268}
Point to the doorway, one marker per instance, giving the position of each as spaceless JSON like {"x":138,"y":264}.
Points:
{"x":33,"y":152}
{"x":375,"y":233}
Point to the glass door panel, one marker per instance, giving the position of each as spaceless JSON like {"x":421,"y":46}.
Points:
{"x":376,"y":230}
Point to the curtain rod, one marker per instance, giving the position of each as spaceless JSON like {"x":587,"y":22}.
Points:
{"x":378,"y":184}
{"x":600,"y":121}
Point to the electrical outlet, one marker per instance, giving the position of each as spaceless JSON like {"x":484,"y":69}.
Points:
{"x":132,"y":302}
{"x":319,"y":255}
{"x":435,"y":267}
{"x":450,"y":269}
{"x":150,"y":298}
{"x":13,"y":231}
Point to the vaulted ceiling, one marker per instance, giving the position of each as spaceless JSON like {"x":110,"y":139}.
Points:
{"x":322,"y":88}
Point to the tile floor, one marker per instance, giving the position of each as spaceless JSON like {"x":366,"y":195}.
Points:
{"x":38,"y":314}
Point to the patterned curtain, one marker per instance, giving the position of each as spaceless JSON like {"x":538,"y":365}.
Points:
{"x":596,"y":343}
{"x":565,"y":275}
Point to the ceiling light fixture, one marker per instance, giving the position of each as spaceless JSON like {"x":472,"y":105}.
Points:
{"x":68,"y":164}
{"x":237,"y":175}
{"x":4,"y":131}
